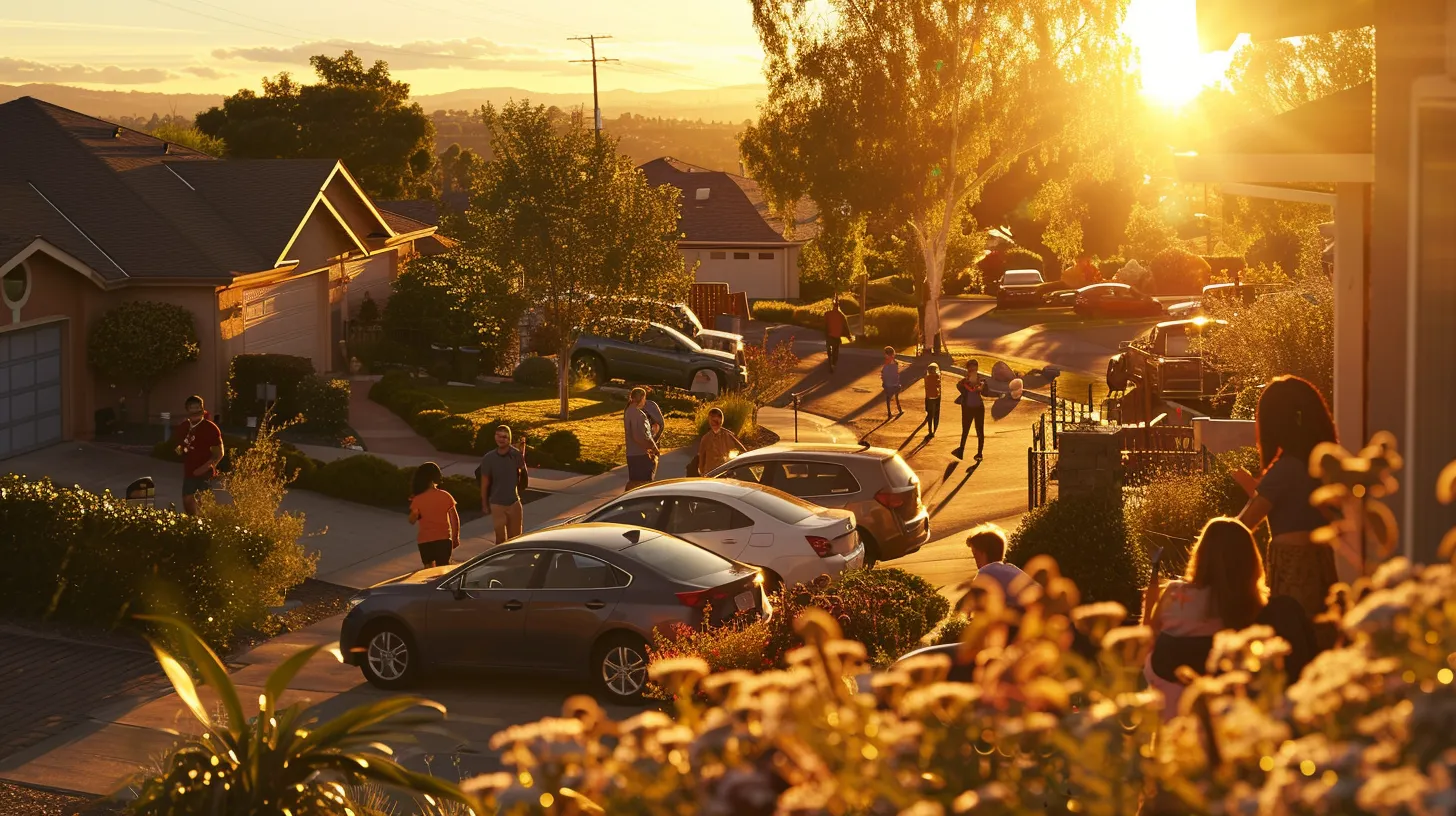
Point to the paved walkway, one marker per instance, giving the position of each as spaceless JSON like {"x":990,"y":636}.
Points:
{"x":382,"y":431}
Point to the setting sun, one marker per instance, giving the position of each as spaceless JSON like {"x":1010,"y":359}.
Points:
{"x":1165,"y":33}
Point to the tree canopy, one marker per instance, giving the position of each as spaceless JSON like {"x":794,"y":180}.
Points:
{"x":356,"y":114}
{"x":575,"y":222}
{"x":911,"y":107}
{"x":140,"y":342}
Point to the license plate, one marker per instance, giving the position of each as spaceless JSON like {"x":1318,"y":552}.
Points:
{"x":855,"y":561}
{"x":744,"y":601}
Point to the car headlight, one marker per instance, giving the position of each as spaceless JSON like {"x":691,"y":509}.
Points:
{"x":353,"y":602}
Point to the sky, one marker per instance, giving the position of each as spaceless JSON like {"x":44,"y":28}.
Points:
{"x":218,"y":46}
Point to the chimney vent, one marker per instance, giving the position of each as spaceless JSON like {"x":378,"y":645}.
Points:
{"x":703,"y":193}
{"x":116,"y":134}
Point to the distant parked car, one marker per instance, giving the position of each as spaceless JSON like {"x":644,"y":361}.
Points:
{"x":1246,"y":293}
{"x":1020,"y":288}
{"x":642,"y":352}
{"x":875,"y":484}
{"x":794,"y":540}
{"x":1063,"y":299}
{"x":1115,"y":300}
{"x":568,"y":600}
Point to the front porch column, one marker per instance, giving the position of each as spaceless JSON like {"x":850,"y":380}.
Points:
{"x":1348,"y":401}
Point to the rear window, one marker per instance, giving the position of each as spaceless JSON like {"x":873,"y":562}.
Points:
{"x":1020,"y":278}
{"x":811,"y":479}
{"x":900,"y":473}
{"x":779,"y":505}
{"x":675,"y":558}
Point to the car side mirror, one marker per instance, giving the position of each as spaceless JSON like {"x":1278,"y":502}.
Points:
{"x":1124,"y":345}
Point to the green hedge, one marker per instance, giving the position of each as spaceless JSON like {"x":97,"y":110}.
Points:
{"x":71,"y":555}
{"x":248,"y":371}
{"x":773,"y":311}
{"x":324,"y":402}
{"x":896,"y":326}
{"x":890,"y":291}
{"x":1088,"y":537}
{"x":538,"y":372}
{"x":454,"y":434}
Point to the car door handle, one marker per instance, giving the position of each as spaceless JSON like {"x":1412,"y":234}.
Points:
{"x":595,"y":604}
{"x":730,"y":541}
{"x":512,"y":606}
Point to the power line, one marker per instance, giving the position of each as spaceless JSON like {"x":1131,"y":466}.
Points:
{"x":704,"y":83}
{"x":596,"y":102}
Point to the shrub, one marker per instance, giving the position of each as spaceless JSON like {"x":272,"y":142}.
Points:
{"x":737,"y":414}
{"x":485,"y":435}
{"x":737,"y":644}
{"x":141,"y":342}
{"x":896,"y":326}
{"x":324,"y":402}
{"x":409,"y":403}
{"x":455,"y":434}
{"x":248,"y":371}
{"x":1179,"y":272}
{"x":1289,"y":332}
{"x":1170,"y":509}
{"x":1087,"y":535}
{"x":365,"y":479}
{"x":1108,"y":268}
{"x":562,"y":446}
{"x":771,"y":370}
{"x":465,"y":489}
{"x":888,"y":610}
{"x":950,"y":630}
{"x":536,"y":371}
{"x":773,"y":311}
{"x":891,"y":291}
{"x":384,"y":390}
{"x":1223,"y":267}
{"x":1246,"y":404}
{"x":1023,"y":258}
{"x":428,"y":421}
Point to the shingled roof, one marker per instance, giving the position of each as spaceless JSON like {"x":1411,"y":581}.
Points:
{"x":134,"y":207}
{"x":734,"y":212}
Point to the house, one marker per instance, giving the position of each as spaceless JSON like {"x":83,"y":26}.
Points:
{"x":728,"y":230}
{"x":268,"y":256}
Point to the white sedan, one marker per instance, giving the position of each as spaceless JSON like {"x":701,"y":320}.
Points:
{"x":792,"y":540}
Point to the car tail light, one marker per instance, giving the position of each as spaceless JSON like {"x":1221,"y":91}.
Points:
{"x":893,"y":501}
{"x":820,"y":544}
{"x":697,"y":597}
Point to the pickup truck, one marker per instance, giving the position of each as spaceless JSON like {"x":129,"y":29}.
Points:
{"x":1164,"y":361}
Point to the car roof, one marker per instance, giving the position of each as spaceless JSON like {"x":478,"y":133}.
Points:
{"x":816,"y":449}
{"x":1106,"y":285}
{"x":685,"y":485}
{"x":1201,"y":321}
{"x":613,"y":537}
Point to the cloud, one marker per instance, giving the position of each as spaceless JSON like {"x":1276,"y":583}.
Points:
{"x":18,"y":70}
{"x":204,"y":72}
{"x":475,"y":54}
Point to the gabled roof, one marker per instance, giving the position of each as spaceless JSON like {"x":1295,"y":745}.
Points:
{"x":734,"y":210}
{"x":418,"y":211}
{"x":134,"y":207}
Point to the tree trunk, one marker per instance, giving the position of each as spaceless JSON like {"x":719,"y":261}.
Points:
{"x":934,"y":252}
{"x":563,"y":378}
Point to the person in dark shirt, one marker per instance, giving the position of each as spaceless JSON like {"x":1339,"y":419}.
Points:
{"x":199,"y":443}
{"x":836,"y":328}
{"x":973,"y":408}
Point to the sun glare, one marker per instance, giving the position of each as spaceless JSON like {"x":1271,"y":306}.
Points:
{"x":1165,"y":33}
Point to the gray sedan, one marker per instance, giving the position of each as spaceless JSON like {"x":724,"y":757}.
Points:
{"x":641,"y":352}
{"x":583,"y":598}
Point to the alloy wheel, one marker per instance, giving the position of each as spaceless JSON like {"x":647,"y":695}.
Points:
{"x":388,"y":656}
{"x":624,"y":670}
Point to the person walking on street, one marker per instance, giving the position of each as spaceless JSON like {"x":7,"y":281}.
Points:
{"x":502,"y":480}
{"x":199,"y":443}
{"x":836,"y":328}
{"x":717,"y":445}
{"x":973,"y":409}
{"x":642,"y":450}
{"x":434,"y":511}
{"x":890,"y":381}
{"x":932,"y":399}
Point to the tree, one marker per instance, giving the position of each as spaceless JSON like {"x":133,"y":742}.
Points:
{"x":836,"y":256}
{"x":587,"y":237}
{"x":141,"y":342}
{"x":911,"y":107}
{"x":354,"y":114}
{"x":460,"y":298}
{"x":1147,"y":234}
{"x":189,"y":136}
{"x":1269,"y":78}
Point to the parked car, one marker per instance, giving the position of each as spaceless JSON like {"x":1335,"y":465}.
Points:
{"x":1167,"y":362}
{"x":642,"y":352}
{"x":1246,"y":293}
{"x":793,"y":540}
{"x":1019,"y":288}
{"x":1062,"y":299}
{"x":685,"y":320}
{"x":1115,"y":300}
{"x":569,"y":600}
{"x":875,"y":484}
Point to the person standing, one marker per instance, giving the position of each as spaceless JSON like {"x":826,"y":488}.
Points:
{"x":890,"y":382}
{"x":642,"y":450}
{"x":502,"y":479}
{"x":434,"y":511}
{"x":199,"y":443}
{"x":717,"y":445}
{"x":836,"y":328}
{"x":988,"y":546}
{"x":932,"y":399}
{"x":973,"y":409}
{"x":656,"y":423}
{"x":1290,"y":420}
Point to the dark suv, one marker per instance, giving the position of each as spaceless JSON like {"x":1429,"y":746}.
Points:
{"x":642,"y":352}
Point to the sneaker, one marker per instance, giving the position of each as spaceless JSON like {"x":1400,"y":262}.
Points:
{"x":958,"y":452}
{"x":979,"y":457}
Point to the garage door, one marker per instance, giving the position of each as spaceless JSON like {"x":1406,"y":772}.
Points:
{"x":284,"y":318}
{"x":369,"y":277}
{"x":30,"y":389}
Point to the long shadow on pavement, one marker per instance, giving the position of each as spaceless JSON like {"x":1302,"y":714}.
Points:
{"x":949,"y":471}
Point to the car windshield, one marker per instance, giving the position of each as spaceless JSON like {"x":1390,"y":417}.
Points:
{"x":675,"y":558}
{"x":778,"y":504}
{"x":1021,"y":278}
{"x":689,"y":344}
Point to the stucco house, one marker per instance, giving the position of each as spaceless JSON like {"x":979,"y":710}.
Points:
{"x":729,"y":231}
{"x":268,"y":255}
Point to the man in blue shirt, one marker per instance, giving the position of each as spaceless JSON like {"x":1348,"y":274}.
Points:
{"x":890,"y":381}
{"x":988,"y":547}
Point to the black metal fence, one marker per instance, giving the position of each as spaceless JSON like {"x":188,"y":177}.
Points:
{"x":1041,"y":465}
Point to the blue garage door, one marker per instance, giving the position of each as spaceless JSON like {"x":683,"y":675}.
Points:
{"x":30,"y":389}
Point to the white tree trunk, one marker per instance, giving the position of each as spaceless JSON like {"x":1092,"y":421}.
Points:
{"x":933,"y":241}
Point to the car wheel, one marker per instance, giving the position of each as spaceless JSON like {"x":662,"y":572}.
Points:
{"x":706,"y":381}
{"x":619,"y":667}
{"x":872,"y":548}
{"x":1116,"y":377}
{"x":589,"y":366}
{"x":391,"y":660}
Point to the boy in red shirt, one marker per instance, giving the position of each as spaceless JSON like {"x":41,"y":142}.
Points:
{"x":199,"y":443}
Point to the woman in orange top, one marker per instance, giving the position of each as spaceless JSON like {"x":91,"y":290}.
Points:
{"x":932,"y":399}
{"x":434,"y":511}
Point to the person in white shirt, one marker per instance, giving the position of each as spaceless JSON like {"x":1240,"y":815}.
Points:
{"x":988,"y":547}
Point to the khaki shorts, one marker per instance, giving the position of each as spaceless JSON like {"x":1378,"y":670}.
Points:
{"x":507,"y":518}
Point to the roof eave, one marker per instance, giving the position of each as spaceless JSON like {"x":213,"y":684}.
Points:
{"x":1276,"y":168}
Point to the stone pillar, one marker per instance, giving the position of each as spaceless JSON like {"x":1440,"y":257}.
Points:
{"x":1089,"y":460}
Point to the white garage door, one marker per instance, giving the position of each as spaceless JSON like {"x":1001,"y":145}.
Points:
{"x":371,"y":277}
{"x":284,"y":318}
{"x":30,"y":389}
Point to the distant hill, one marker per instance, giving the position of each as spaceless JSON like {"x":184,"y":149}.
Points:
{"x":731,"y":104}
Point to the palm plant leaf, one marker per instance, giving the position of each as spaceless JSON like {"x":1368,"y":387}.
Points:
{"x":210,"y":669}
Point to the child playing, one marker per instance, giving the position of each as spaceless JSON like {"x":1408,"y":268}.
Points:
{"x":434,"y":511}
{"x":932,"y":399}
{"x":890,"y":381}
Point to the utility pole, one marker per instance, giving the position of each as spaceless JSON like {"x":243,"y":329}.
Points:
{"x":596,"y":102}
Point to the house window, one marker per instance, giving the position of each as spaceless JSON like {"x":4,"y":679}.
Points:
{"x":15,"y":286}
{"x":765,"y":256}
{"x":717,"y":256}
{"x":740,"y":256}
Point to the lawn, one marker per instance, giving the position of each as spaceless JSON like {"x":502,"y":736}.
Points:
{"x":595,"y":419}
